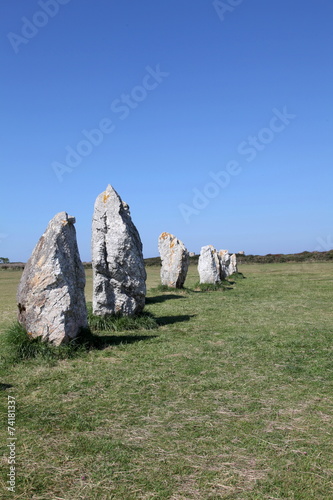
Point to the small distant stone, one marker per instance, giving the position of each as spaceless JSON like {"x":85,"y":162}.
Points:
{"x":215,"y":266}
{"x":228,"y":263}
{"x":175,"y":260}
{"x":50,"y":294}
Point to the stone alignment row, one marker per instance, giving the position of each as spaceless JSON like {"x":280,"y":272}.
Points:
{"x":50,"y":296}
{"x":213,"y":266}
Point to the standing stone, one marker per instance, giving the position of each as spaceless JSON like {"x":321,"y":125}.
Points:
{"x":50,"y":294}
{"x":228,"y":263}
{"x":209,"y":265}
{"x":224,"y":257}
{"x":119,"y":273}
{"x":233,"y":264}
{"x":175,"y":260}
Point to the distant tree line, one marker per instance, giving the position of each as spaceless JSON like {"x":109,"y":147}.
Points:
{"x":263,"y":259}
{"x":241,"y":259}
{"x":278,"y":257}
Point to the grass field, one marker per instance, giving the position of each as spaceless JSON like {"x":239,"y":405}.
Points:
{"x":230,"y":397}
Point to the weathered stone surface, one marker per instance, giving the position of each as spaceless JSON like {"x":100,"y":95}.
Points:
{"x":175,"y":260}
{"x":209,"y":265}
{"x":224,"y":257}
{"x":50,"y":295}
{"x":228,"y":263}
{"x":119,"y":273}
{"x":233,"y":264}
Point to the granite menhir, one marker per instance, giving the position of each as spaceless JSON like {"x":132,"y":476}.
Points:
{"x":119,"y":275}
{"x":50,"y":294}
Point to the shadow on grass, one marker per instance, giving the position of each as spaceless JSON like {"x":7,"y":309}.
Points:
{"x":5,"y":386}
{"x":118,"y":323}
{"x":233,"y":278}
{"x":17,"y":346}
{"x":91,"y":340}
{"x":162,"y":298}
{"x":169,"y":320}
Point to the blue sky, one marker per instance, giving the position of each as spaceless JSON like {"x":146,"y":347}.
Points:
{"x":212,"y":120}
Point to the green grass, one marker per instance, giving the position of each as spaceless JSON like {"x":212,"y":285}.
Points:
{"x":114,"y":323}
{"x":16,"y":347}
{"x":221,"y":286}
{"x":165,"y":288}
{"x":230,"y":397}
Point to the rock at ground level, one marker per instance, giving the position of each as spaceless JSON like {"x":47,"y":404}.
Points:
{"x":209,"y":265}
{"x":216,"y":266}
{"x":175,"y":260}
{"x":50,"y":294}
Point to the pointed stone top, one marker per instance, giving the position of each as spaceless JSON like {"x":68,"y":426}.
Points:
{"x":63,"y":218}
{"x":110,"y":192}
{"x":109,"y":188}
{"x":109,"y":197}
{"x":112,"y":199}
{"x":166,"y":235}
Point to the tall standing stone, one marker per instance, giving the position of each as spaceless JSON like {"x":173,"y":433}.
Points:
{"x":209,"y":265}
{"x":224,"y":257}
{"x":175,"y":260}
{"x":119,"y":273}
{"x":233,"y":264}
{"x":50,"y":295}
